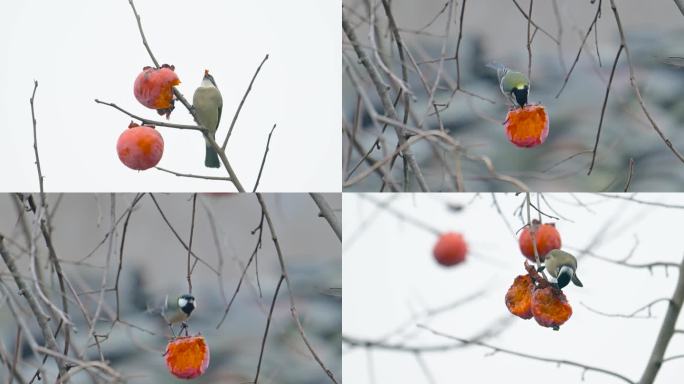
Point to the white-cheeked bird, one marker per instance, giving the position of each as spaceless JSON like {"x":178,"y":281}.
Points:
{"x":562,"y":267}
{"x":178,"y":311}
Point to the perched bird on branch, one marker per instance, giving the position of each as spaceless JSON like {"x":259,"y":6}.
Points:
{"x":514,"y":85}
{"x":208,"y":103}
{"x":562,"y":266}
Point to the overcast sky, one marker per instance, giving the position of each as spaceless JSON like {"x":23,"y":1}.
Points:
{"x":389,"y":274}
{"x":82,"y":50}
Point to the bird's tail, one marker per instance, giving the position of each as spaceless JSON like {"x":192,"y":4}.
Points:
{"x":211,"y":159}
{"x":501,"y":69}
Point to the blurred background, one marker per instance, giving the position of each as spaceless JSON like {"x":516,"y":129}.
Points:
{"x":393,"y":284}
{"x":154,"y":265}
{"x":495,"y":30}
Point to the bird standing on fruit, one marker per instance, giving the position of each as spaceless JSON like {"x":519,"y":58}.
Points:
{"x":178,"y":311}
{"x":514,"y":85}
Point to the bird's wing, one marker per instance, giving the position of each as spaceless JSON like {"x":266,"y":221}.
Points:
{"x":220,"y":108}
{"x":218,"y":122}
{"x":501,"y":70}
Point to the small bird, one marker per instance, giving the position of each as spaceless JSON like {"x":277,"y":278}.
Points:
{"x":562,"y":266}
{"x":514,"y":85}
{"x":208,"y":103}
{"x":178,"y":311}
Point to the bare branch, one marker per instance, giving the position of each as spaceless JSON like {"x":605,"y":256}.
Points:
{"x":633,"y":82}
{"x":192,"y":232}
{"x":244,"y":97}
{"x":293,"y":308}
{"x":35,"y":141}
{"x":268,"y":324}
{"x":156,"y":123}
{"x":579,"y":51}
{"x":41,"y":318}
{"x":496,"y":349}
{"x":328,"y":214}
{"x":680,"y":5}
{"x":263,"y":160}
{"x":603,"y":108}
{"x":192,"y":175}
{"x":529,"y":19}
{"x":666,"y":330}
{"x":179,"y":96}
{"x":383,"y":92}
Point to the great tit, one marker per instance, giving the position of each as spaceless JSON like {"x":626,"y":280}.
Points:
{"x":514,"y":85}
{"x":208,"y":103}
{"x":178,"y":311}
{"x":562,"y":266}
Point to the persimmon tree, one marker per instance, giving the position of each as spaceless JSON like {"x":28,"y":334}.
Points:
{"x":79,"y":295}
{"x":427,"y":322}
{"x":424,"y":113}
{"x":166,"y":93}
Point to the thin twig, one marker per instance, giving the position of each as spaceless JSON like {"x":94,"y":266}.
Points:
{"x":252,"y":257}
{"x":244,"y":97}
{"x":579,"y":51}
{"x":635,"y":86}
{"x":35,"y":141}
{"x":328,"y":214}
{"x":263,"y":159}
{"x":178,"y":237}
{"x":555,"y":40}
{"x":121,"y":254}
{"x":529,"y":356}
{"x":293,"y":308}
{"x":630,"y":172}
{"x":383,"y":92}
{"x":152,"y":122}
{"x":41,"y":318}
{"x":192,"y":232}
{"x":529,"y":42}
{"x":603,"y":109}
{"x":192,"y":175}
{"x":268,"y":324}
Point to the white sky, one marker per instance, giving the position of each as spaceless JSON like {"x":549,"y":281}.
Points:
{"x":82,"y":50}
{"x":389,"y":274}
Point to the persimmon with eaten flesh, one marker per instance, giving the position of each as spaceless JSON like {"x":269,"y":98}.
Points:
{"x":153,"y":88}
{"x":519,"y":297}
{"x":550,"y":307}
{"x":187,"y":357}
{"x":527,"y":127}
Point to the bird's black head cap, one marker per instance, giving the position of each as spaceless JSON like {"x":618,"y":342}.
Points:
{"x":189,"y":303}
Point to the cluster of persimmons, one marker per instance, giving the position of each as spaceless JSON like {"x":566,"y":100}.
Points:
{"x":531,"y":294}
{"x":140,"y":147}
